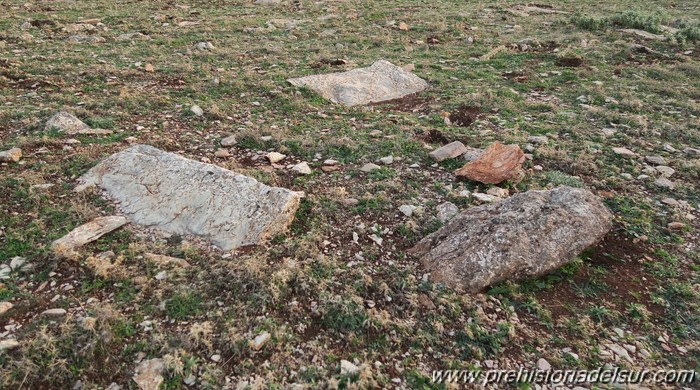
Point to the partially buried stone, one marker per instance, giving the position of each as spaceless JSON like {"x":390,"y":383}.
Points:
{"x":180,"y":196}
{"x":526,"y":235}
{"x":380,"y":82}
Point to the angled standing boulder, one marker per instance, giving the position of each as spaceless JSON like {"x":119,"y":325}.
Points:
{"x":526,"y":235}
{"x":380,"y":82}
{"x":181,"y":196}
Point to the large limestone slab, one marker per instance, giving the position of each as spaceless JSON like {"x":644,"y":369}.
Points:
{"x":380,"y":82}
{"x":528,"y":234}
{"x":181,"y":196}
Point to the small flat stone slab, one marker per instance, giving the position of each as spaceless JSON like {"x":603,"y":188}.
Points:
{"x":451,"y":150}
{"x":644,"y":34}
{"x":182,"y":196}
{"x":380,"y":82}
{"x":496,"y":164}
{"x":71,"y":125}
{"x":87,"y":233}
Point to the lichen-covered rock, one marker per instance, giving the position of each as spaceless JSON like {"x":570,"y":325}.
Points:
{"x":528,"y":234}
{"x":379,"y":82}
{"x":181,"y":196}
{"x":496,"y":164}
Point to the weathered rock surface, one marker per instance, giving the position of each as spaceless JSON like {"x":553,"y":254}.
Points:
{"x":71,"y":125}
{"x":380,"y":82}
{"x":87,"y":233}
{"x":496,"y":164}
{"x":526,"y":235}
{"x":181,"y":196}
{"x":451,"y":150}
{"x":12,"y":155}
{"x":148,"y":374}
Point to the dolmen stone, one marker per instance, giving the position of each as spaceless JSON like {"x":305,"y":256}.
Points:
{"x":526,"y":235}
{"x":379,"y":82}
{"x":162,"y":190}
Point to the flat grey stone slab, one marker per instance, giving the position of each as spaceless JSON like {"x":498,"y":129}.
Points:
{"x":182,"y":196}
{"x":379,"y":82}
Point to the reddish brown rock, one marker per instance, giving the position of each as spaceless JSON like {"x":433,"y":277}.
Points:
{"x":498,"y":163}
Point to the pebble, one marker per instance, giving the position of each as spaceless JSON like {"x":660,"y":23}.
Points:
{"x":222,"y":153}
{"x":665,"y":171}
{"x":203,"y":46}
{"x":543,"y":365}
{"x":229,"y":141}
{"x":275,"y":157}
{"x":197,"y":110}
{"x":676,"y":225}
{"x":302,"y":168}
{"x":388,"y":160}
{"x":5,"y":306}
{"x":656,"y":160}
{"x":8,"y":344}
{"x":608,"y":132}
{"x":664,"y":183}
{"x":407,"y":210}
{"x":538,"y":139}
{"x":215,"y":358}
{"x":54,"y":312}
{"x":161,"y":275}
{"x":498,"y":192}
{"x":624,"y":152}
{"x":348,"y":368}
{"x":484,"y":197}
{"x":670,"y":202}
{"x":331,"y":162}
{"x":369,"y":167}
{"x":447,"y":211}
{"x":692,"y":151}
{"x":12,"y":155}
{"x":260,"y":340}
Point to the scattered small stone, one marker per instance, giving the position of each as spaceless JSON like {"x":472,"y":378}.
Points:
{"x":447,"y":211}
{"x":538,"y":139}
{"x":190,"y":380}
{"x":331,"y":162}
{"x":204,"y":46}
{"x":164,"y":260}
{"x":656,"y":160}
{"x":620,"y":351}
{"x":451,"y":150}
{"x":148,"y":374}
{"x":665,"y":183}
{"x":498,"y":192}
{"x":608,"y":132}
{"x":348,"y":368}
{"x":349,"y":202}
{"x":197,"y":110}
{"x":64,"y":121}
{"x":302,"y":168}
{"x":222,"y":153}
{"x":407,"y":210}
{"x":692,"y":151}
{"x":260,"y":340}
{"x":665,"y":171}
{"x":4,"y":307}
{"x":162,"y":275}
{"x":229,"y":141}
{"x":388,"y":160}
{"x":86,"y":233}
{"x":369,"y":167}
{"x":12,"y":155}
{"x":54,"y":312}
{"x":8,"y":344}
{"x":275,"y":157}
{"x":670,"y":202}
{"x":149,"y":68}
{"x":543,"y":365}
{"x":18,"y":263}
{"x":624,"y":152}
{"x":676,"y":225}
{"x":486,"y":198}
{"x":669,"y":148}
{"x":425,"y":301}
{"x":215,"y":358}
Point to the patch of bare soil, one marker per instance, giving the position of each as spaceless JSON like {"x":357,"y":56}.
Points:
{"x":465,"y":115}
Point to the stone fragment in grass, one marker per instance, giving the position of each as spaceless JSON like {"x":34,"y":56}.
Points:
{"x":69,"y":124}
{"x":496,"y":164}
{"x":148,"y":374}
{"x":12,"y":155}
{"x":162,"y":190}
{"x":379,"y":82}
{"x":526,"y":235}
{"x":451,"y":150}
{"x":84,"y":234}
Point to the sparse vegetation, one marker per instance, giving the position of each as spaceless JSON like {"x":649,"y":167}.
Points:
{"x":341,"y":284}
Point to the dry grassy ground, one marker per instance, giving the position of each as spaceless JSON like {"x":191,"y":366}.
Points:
{"x":320,"y":295}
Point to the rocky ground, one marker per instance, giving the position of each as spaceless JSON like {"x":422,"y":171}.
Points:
{"x":597,"y":96}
